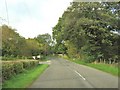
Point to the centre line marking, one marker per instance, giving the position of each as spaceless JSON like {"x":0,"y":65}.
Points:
{"x":80,"y":75}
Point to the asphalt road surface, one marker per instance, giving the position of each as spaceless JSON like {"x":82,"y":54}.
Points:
{"x":65,"y":74}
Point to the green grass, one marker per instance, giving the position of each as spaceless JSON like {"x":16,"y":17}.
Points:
{"x":106,"y":68}
{"x":114,"y":70}
{"x":25,"y":79}
{"x":100,"y":66}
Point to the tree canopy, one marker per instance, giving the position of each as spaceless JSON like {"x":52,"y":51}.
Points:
{"x":14,"y":45}
{"x":85,"y":28}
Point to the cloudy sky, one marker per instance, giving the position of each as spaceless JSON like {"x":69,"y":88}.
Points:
{"x":33,"y":17}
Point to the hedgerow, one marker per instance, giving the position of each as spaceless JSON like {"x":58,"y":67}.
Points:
{"x":18,"y":67}
{"x":12,"y":68}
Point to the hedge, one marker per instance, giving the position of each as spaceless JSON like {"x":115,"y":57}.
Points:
{"x":12,"y":68}
{"x":7,"y":70}
{"x":18,"y":67}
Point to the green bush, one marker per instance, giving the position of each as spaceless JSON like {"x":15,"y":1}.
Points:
{"x":34,"y":63}
{"x":18,"y":67}
{"x":8,"y":58}
{"x":29,"y":64}
{"x":89,"y":59}
{"x":11,"y":68}
{"x":26,"y":64}
{"x":7,"y":70}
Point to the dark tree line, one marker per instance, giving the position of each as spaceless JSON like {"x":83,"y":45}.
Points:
{"x":86,"y":31}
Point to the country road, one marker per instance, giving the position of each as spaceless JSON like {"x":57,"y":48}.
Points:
{"x":65,"y":74}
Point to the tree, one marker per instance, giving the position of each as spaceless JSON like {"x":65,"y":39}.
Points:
{"x":33,"y":48}
{"x":11,"y":42}
{"x":89,"y":25}
{"x":14,"y":45}
{"x":45,"y":42}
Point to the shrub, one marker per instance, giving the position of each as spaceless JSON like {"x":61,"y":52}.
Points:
{"x":26,"y":64}
{"x":34,"y":63}
{"x":11,"y":68}
{"x":7,"y":70}
{"x":18,"y":67}
{"x":29,"y":64}
{"x":8,"y":58}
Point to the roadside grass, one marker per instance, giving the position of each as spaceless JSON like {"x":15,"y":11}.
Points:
{"x":106,"y":68}
{"x":24,"y":79}
{"x":114,"y":70}
{"x":100,"y":66}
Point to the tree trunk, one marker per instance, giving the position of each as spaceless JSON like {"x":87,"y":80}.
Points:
{"x":104,"y":61}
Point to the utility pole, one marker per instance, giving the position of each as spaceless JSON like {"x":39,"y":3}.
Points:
{"x":7,"y":12}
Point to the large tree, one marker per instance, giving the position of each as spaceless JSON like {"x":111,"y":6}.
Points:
{"x":11,"y":42}
{"x":88,"y":26}
{"x":14,"y":45}
{"x":45,"y":42}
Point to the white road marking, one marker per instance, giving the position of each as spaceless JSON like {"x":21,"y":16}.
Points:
{"x":80,"y":75}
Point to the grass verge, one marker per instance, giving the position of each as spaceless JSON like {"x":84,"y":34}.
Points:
{"x":24,"y":79}
{"x":114,"y":70}
{"x":100,"y":66}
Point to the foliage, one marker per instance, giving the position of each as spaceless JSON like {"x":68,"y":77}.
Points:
{"x":45,"y":42}
{"x":71,"y":50}
{"x":33,"y":47}
{"x":16,"y":46}
{"x":7,"y":70}
{"x":88,"y":28}
{"x":12,"y":68}
{"x":23,"y":80}
{"x":18,"y":67}
{"x":11,"y":42}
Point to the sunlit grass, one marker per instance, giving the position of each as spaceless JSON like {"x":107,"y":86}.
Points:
{"x":24,"y":79}
{"x":114,"y":70}
{"x":100,"y":66}
{"x":105,"y":67}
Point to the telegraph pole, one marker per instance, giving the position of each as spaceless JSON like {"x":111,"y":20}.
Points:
{"x":7,"y":12}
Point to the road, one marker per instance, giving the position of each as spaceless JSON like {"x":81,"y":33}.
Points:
{"x":65,"y":74}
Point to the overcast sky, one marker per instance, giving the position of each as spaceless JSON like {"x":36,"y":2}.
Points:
{"x":33,"y":17}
